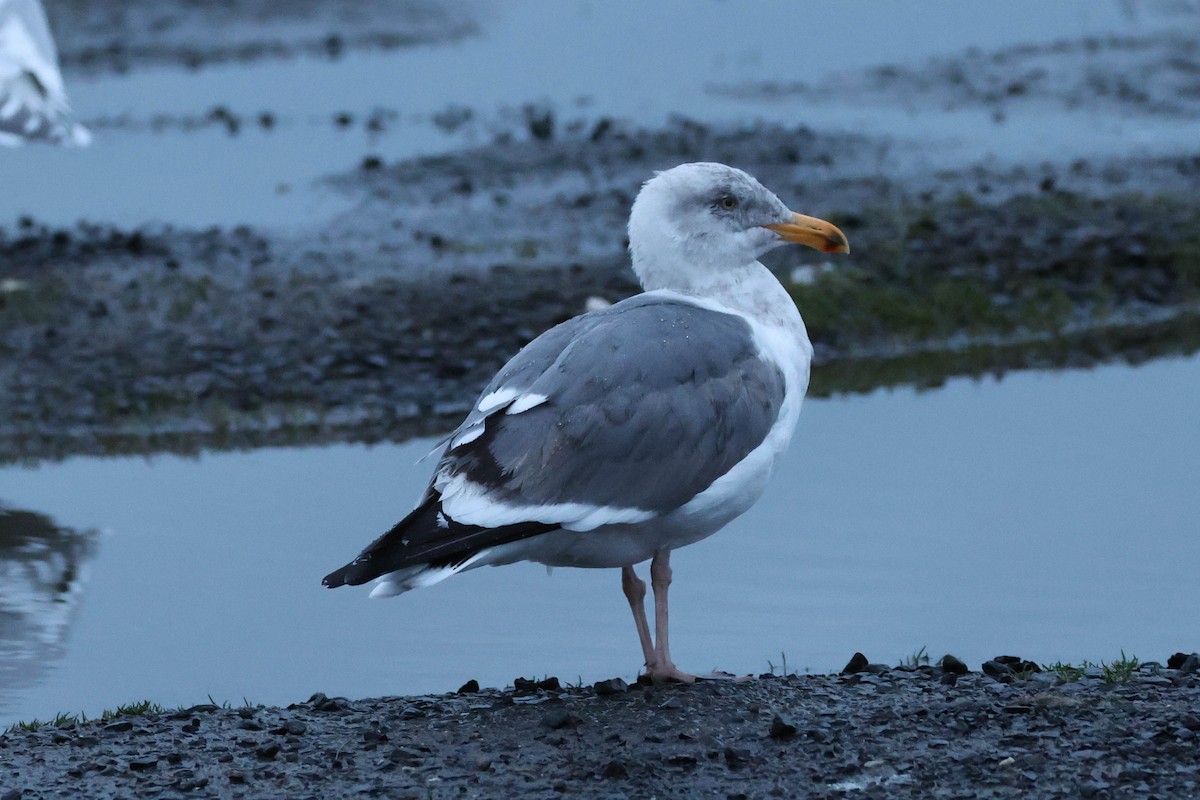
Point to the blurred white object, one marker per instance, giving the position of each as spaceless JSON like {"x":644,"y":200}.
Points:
{"x":595,"y":303}
{"x":33,"y":102}
{"x":808,"y":273}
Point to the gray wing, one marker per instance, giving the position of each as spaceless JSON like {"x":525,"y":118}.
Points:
{"x":640,"y":406}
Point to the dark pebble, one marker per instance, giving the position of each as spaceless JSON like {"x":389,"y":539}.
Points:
{"x":953,"y":665}
{"x":610,"y":687}
{"x":405,"y":757}
{"x":470,"y":687}
{"x":736,"y":757}
{"x":616,"y":769}
{"x":858,"y":662}
{"x":236,"y":776}
{"x":1017,"y":664}
{"x":12,"y":794}
{"x":559,"y":718}
{"x":268,"y":751}
{"x":949,"y":679}
{"x":994,"y":669}
{"x":524,"y":686}
{"x":143,"y":764}
{"x":119,"y":727}
{"x":550,"y":684}
{"x":781,"y":728}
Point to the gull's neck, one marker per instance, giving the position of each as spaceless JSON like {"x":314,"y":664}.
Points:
{"x":750,"y":290}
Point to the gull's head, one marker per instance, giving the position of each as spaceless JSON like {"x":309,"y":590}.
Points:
{"x":698,"y":219}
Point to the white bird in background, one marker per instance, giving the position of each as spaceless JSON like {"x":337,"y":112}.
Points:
{"x":635,"y":429}
{"x":33,"y":101}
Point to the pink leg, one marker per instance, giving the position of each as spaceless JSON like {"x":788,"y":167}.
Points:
{"x":635,"y":592}
{"x":660,"y":579}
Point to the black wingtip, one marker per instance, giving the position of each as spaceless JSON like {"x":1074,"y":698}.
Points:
{"x":336,"y":578}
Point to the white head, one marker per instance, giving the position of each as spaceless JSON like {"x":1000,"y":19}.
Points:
{"x":695,"y":220}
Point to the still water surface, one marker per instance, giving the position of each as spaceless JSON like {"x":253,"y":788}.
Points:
{"x":1048,"y":515}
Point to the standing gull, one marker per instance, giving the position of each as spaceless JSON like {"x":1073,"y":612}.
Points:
{"x":33,"y":100}
{"x":627,"y":432}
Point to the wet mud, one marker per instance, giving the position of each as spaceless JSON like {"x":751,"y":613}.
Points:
{"x":1009,"y":729}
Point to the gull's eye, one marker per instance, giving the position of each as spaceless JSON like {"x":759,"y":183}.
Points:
{"x":727,"y":202}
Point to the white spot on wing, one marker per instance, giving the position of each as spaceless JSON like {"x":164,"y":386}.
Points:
{"x":497,"y":399}
{"x":467,"y":436}
{"x":526,"y":402}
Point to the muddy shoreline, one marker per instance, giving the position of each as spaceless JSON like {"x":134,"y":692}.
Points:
{"x":384,"y":323}
{"x":1009,"y":730}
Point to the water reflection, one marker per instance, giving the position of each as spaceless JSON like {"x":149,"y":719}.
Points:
{"x":42,"y":569}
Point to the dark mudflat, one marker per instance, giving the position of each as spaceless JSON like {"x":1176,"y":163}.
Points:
{"x":881,"y":732}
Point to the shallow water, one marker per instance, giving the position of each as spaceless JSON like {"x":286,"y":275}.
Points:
{"x":585,"y":59}
{"x":1049,"y":515}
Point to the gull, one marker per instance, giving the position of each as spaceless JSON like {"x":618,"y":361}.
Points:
{"x":33,"y":101}
{"x":632,"y":430}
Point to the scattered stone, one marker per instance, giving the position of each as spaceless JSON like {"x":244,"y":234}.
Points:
{"x":470,"y":687}
{"x":953,"y":665}
{"x":1000,"y":672}
{"x":560,"y":718}
{"x":616,"y":770}
{"x":858,"y":662}
{"x":405,"y":757}
{"x":781,"y":728}
{"x":610,"y":687}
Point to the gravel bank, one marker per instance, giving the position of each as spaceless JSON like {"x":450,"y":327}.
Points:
{"x":873,"y":731}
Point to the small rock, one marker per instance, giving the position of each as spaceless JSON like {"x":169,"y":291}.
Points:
{"x":610,"y":687}
{"x":268,"y":751}
{"x":781,"y":728}
{"x":560,"y":718}
{"x":550,"y":684}
{"x":411,"y":712}
{"x":143,"y":764}
{"x":953,"y":665}
{"x":293,"y":727}
{"x":12,"y":794}
{"x":236,"y":776}
{"x":470,"y":687}
{"x":524,"y":686}
{"x":405,"y":757}
{"x":949,"y":679}
{"x":616,"y":770}
{"x":736,"y":757}
{"x":997,"y":671}
{"x":858,"y":662}
{"x":119,"y":727}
